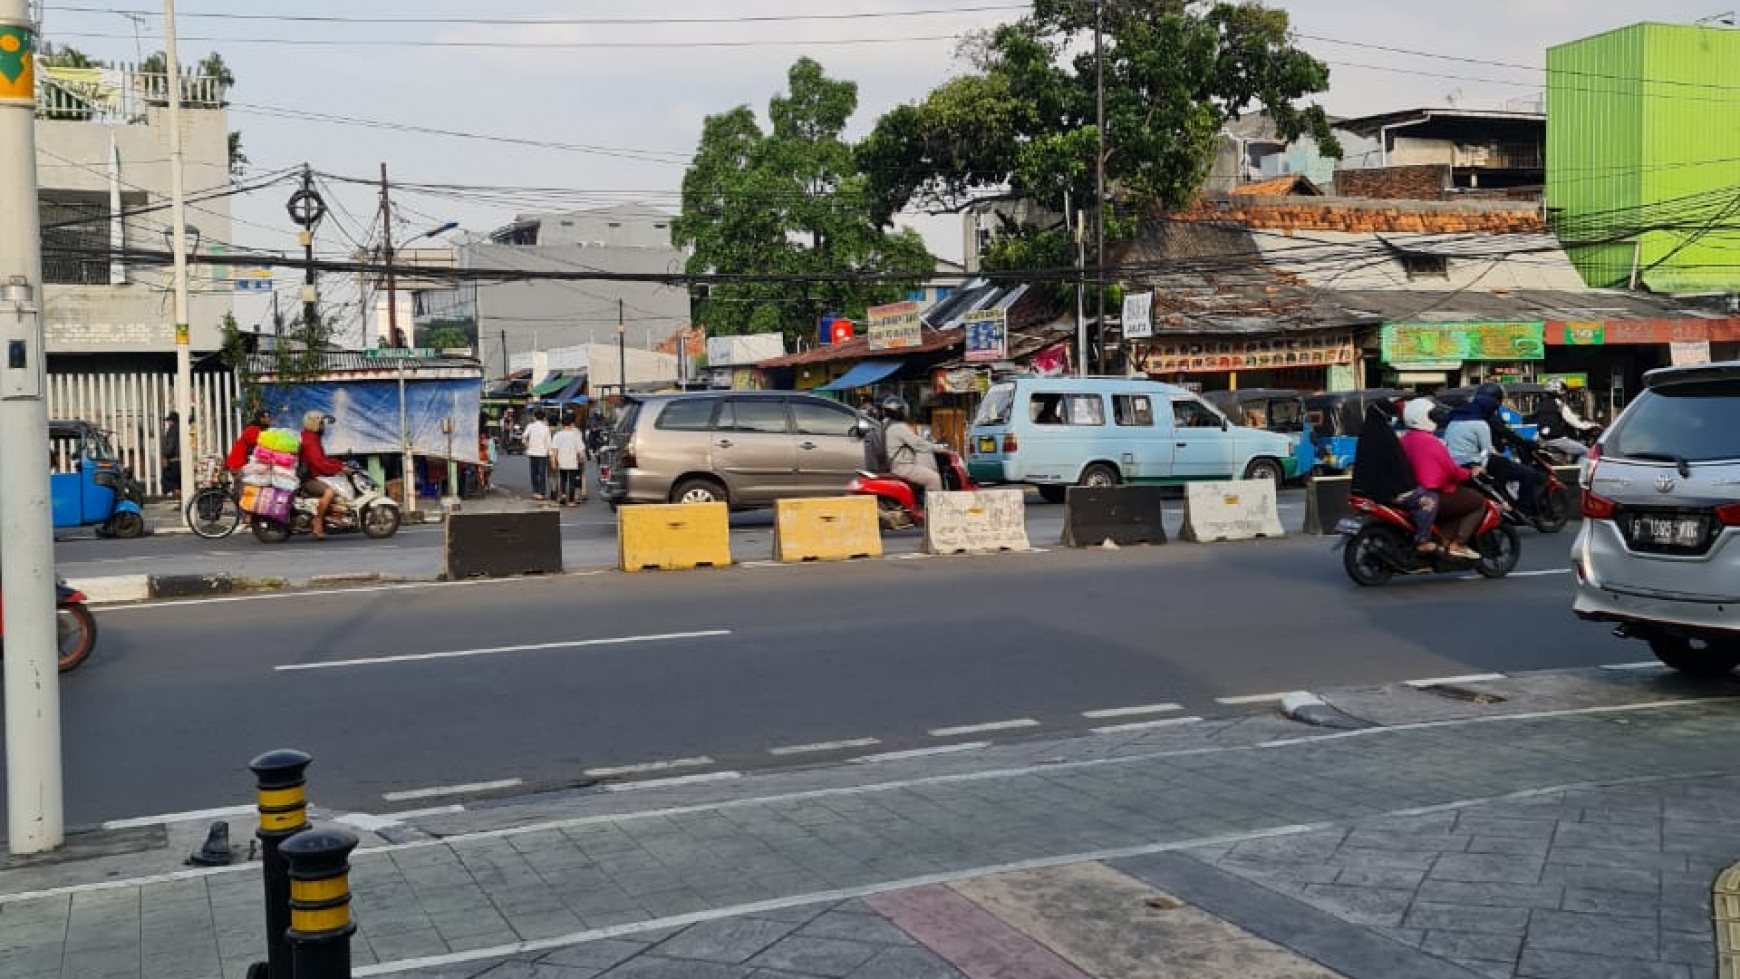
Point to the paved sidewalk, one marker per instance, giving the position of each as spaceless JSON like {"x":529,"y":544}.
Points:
{"x":1580,"y":844}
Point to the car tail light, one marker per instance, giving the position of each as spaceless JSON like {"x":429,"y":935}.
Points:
{"x":1009,"y":444}
{"x":1729,"y":515}
{"x":1597,"y":507}
{"x":625,"y":458}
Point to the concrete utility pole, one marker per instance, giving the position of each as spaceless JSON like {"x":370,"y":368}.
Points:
{"x":178,"y":221}
{"x":35,"y":815}
{"x":621,"y":352}
{"x":394,"y":336}
{"x":1100,"y":172}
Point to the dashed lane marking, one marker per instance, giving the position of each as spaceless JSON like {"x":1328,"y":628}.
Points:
{"x":700,"y":761}
{"x":1146,"y":725}
{"x":1251,"y":698}
{"x":498,"y":650}
{"x":441,"y":790}
{"x":947,"y":749}
{"x":1647,"y":664}
{"x":1439,"y":681}
{"x":821,"y":746}
{"x":950,"y":732}
{"x":659,"y":783}
{"x":1132,"y":711}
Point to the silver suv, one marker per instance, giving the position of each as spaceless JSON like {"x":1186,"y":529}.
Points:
{"x":1659,"y":552}
{"x":745,"y":448}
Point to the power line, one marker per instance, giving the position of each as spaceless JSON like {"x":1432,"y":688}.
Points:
{"x":553,"y":21}
{"x":546,"y":45}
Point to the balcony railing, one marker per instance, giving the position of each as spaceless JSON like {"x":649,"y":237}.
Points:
{"x":119,"y":95}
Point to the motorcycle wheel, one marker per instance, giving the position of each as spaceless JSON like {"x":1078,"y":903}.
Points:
{"x":1363,"y":555}
{"x":1500,"y":549}
{"x":380,"y":521}
{"x":1555,"y":512}
{"x":268,"y":532}
{"x":127,"y":525}
{"x":75,"y":633}
{"x":892,"y":515}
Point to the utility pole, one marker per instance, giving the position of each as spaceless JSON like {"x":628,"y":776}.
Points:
{"x":178,"y":217}
{"x":395,"y":337}
{"x":35,"y":813}
{"x":504,"y":357}
{"x":1100,"y":173}
{"x":621,"y":352}
{"x":306,"y":208}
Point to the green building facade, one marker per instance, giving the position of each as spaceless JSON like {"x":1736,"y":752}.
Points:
{"x":1643,"y":156}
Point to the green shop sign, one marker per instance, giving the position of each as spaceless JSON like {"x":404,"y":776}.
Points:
{"x":1405,"y":343}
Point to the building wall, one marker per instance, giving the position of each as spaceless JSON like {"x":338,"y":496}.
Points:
{"x":1427,"y":182}
{"x":1640,"y":120}
{"x":137,"y":316}
{"x":623,"y":226}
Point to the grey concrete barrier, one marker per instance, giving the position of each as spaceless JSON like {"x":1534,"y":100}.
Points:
{"x":499,"y":545}
{"x":190,"y":585}
{"x":1326,"y":503}
{"x":1121,"y":514}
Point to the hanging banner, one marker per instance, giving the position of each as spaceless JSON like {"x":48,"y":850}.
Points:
{"x":987,"y":334}
{"x":1409,"y":342}
{"x":17,"y":65}
{"x":1053,"y":361}
{"x":894,"y":326}
{"x":1138,"y":315}
{"x":961,"y":380}
{"x":1197,"y":357}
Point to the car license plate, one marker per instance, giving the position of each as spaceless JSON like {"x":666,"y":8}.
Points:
{"x":1348,"y":525}
{"x":987,"y":445}
{"x":1651,"y":531}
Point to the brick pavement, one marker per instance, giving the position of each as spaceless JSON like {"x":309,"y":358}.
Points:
{"x":1379,"y":833}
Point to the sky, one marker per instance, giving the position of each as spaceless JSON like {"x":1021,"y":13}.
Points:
{"x":578,"y":114}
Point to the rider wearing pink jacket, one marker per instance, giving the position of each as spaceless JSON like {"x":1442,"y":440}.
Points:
{"x":1460,"y":508}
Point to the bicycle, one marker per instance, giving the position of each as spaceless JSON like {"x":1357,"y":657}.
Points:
{"x":215,"y":511}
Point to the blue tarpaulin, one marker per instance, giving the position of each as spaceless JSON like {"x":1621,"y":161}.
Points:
{"x":366,"y":415}
{"x":862,"y":375}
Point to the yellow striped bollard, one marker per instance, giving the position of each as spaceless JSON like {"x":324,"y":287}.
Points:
{"x":283,"y":814}
{"x":320,"y":925}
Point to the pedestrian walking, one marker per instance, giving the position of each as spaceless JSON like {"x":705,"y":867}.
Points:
{"x":538,"y":453}
{"x":172,"y":455}
{"x":569,"y":448}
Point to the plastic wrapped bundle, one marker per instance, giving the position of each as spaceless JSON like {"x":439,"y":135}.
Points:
{"x":250,"y":501}
{"x":262,"y":478}
{"x":274,"y":504}
{"x":272,"y":457}
{"x":283,"y":482}
{"x":281,"y":440}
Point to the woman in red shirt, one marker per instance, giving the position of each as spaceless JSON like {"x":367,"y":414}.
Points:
{"x":314,"y":459}
{"x":244,"y":445}
{"x":1460,"y":507}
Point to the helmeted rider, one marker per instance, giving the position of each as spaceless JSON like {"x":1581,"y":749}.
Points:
{"x":317,"y":464}
{"x":1459,"y":507}
{"x":1490,"y":398}
{"x":1555,"y":421}
{"x":910,"y":456}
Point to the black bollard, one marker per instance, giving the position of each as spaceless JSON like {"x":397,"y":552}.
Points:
{"x":283,"y":814}
{"x":320,"y":925}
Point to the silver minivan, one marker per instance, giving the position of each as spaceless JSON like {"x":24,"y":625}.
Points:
{"x":744,"y":448}
{"x":1659,"y":551}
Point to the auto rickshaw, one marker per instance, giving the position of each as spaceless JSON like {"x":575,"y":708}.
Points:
{"x":89,"y":486}
{"x":1336,"y":418}
{"x":1280,"y":410}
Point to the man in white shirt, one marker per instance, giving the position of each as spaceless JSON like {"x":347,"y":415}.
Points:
{"x":569,"y":448}
{"x":538,"y":453}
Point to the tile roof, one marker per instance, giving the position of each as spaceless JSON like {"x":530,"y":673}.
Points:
{"x":1363,"y":215}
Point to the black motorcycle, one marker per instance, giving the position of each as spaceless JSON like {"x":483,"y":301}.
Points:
{"x":1552,"y":503}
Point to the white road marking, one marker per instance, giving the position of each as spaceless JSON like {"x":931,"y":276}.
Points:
{"x":1537,"y":574}
{"x":371,"y":823}
{"x":180,"y":817}
{"x":1132,"y":711}
{"x":1648,"y":664}
{"x":498,"y":650}
{"x":650,"y":766}
{"x":1251,"y":698}
{"x":659,"y":783}
{"x":805,"y":749}
{"x":440,"y":790}
{"x":1439,"y":681}
{"x":1145,"y":725}
{"x":947,"y":749}
{"x":950,"y":732}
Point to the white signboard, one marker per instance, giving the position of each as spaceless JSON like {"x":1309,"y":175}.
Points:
{"x":1684,"y":353}
{"x":1138,"y":315}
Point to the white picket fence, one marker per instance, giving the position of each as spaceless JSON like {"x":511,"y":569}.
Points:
{"x":131,"y":407}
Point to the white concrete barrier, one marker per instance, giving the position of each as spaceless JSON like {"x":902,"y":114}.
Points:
{"x":980,"y":522}
{"x":1241,"y":509}
{"x":108,"y":589}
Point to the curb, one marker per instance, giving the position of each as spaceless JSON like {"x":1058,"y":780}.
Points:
{"x":117,"y":589}
{"x":1308,"y":708}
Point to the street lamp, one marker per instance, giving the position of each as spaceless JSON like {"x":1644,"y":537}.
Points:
{"x":394,"y":334}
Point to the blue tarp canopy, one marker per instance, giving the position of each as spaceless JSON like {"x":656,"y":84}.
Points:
{"x":366,"y":414}
{"x":862,"y":375}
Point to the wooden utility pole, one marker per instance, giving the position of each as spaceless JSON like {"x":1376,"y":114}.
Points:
{"x":395,"y":336}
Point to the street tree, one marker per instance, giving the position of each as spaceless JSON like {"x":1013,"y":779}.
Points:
{"x":790,"y":201}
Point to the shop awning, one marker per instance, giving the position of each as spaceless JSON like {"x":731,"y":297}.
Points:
{"x":571,"y":390}
{"x":551,"y":384}
{"x":862,"y":375}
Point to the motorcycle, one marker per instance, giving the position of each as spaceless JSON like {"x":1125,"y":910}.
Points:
{"x":897,"y":505}
{"x":1552,"y":509}
{"x":1379,"y":543}
{"x":75,"y":627}
{"x":357,"y":505}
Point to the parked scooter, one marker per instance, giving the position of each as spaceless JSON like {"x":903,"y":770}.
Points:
{"x":897,"y":503}
{"x":74,"y":626}
{"x":1378,"y":543}
{"x":357,"y":505}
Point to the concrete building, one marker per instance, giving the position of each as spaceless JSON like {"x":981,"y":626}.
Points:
{"x":511,"y":318}
{"x":102,"y":163}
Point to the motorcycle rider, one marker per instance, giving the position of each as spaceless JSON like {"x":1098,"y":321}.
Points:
{"x":315,"y":464}
{"x":1484,"y":408}
{"x":1555,"y":421}
{"x":243,"y":447}
{"x":910,"y":457}
{"x":1459,"y":507}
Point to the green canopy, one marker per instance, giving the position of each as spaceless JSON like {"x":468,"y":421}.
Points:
{"x":550,"y":385}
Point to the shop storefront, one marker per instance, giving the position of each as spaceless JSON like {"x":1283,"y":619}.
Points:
{"x":1429,"y":356}
{"x":1615,"y":354}
{"x":1318,"y":362}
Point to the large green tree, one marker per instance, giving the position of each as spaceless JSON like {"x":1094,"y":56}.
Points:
{"x":790,"y":201}
{"x":1021,"y":124}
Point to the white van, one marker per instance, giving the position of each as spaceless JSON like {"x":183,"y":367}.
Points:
{"x":1057,"y":432}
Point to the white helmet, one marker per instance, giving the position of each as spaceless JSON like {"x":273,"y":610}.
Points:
{"x":1418,"y":415}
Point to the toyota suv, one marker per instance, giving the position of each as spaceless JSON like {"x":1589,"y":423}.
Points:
{"x":744,"y":448}
{"x":1659,"y":552}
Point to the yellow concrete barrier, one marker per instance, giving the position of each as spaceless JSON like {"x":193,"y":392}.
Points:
{"x":673,"y":536}
{"x":833,"y":528}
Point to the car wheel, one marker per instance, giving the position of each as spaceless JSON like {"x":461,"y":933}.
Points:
{"x":1052,"y":493}
{"x":1267,"y":469}
{"x":1696,"y":657}
{"x":1099,"y":476}
{"x":698,"y":491}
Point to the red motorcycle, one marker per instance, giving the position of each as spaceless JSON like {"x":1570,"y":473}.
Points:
{"x":1378,"y":543}
{"x":897,"y":505}
{"x":74,"y":626}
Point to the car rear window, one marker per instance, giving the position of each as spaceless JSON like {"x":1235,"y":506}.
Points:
{"x":688,"y":415}
{"x":1697,"y":422}
{"x":998,"y":404}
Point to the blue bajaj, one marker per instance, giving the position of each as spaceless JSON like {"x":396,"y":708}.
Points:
{"x":1278,"y":410}
{"x":1335,"y":422}
{"x":89,"y":485}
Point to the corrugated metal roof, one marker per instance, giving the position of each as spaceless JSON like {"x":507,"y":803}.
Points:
{"x":355,"y":362}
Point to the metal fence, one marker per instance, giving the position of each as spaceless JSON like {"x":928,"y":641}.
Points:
{"x":132,"y":406}
{"x":121,"y":94}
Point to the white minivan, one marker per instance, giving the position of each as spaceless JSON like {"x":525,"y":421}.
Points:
{"x":1057,"y":432}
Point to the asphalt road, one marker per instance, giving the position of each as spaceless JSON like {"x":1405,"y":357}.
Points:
{"x":544,"y":680}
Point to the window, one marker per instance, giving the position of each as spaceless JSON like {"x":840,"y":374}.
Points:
{"x":75,"y":235}
{"x":820,"y":418}
{"x":754,"y":415}
{"x":1067,"y":409}
{"x":1419,"y":265}
{"x":998,"y":403}
{"x":1193,"y":414}
{"x":1692,"y":420}
{"x":1133,"y":410}
{"x":688,"y":415}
